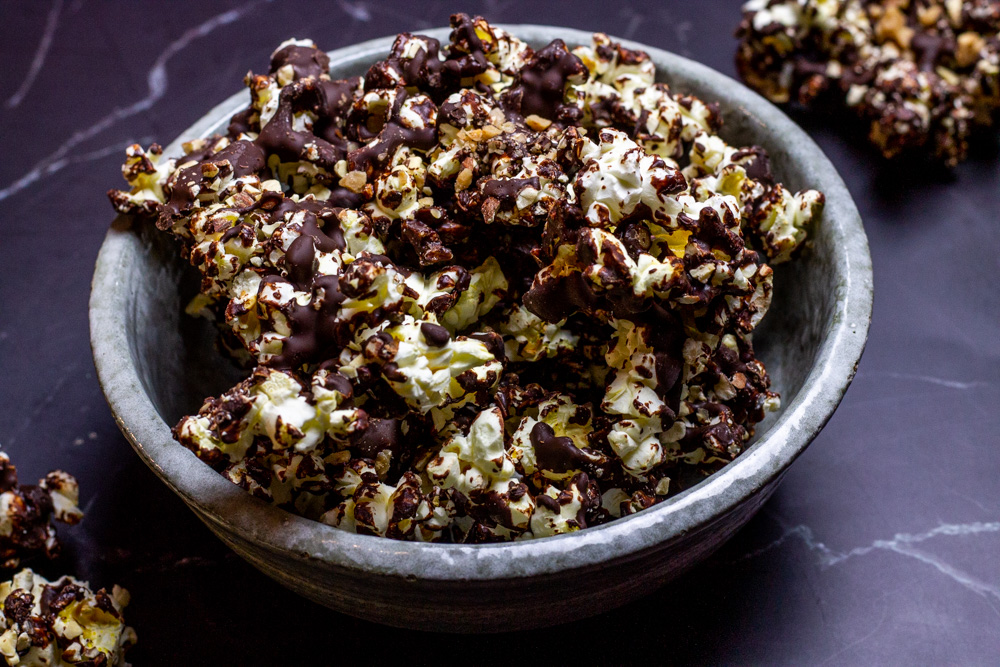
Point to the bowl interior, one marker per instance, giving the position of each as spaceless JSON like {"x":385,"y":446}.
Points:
{"x":810,"y":342}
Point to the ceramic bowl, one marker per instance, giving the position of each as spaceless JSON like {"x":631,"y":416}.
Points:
{"x":155,"y":365}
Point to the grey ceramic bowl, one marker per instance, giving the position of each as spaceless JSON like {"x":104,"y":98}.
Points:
{"x":155,"y":365}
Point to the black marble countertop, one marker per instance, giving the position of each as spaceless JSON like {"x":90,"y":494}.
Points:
{"x":881,"y":547}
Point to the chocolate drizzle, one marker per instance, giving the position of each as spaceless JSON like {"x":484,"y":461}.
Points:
{"x":393,"y":134}
{"x":435,"y":334}
{"x":316,"y":331}
{"x":556,"y":453}
{"x":331,"y":105}
{"x":299,"y":259}
{"x":557,"y":299}
{"x":381,"y":434}
{"x":306,"y":61}
{"x":290,"y":145}
{"x":424,"y":70}
{"x":239,"y":158}
{"x":929,"y":47}
{"x":759,"y":165}
{"x":541,"y":84}
{"x":506,"y":190}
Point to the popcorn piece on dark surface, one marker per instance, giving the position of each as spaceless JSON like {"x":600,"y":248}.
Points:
{"x":920,"y":74}
{"x":492,"y":293}
{"x":27,"y":512}
{"x":62,"y":623}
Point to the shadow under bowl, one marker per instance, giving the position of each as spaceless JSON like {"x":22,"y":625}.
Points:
{"x":155,"y":365}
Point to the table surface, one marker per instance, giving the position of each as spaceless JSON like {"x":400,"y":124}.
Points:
{"x":880,"y":547}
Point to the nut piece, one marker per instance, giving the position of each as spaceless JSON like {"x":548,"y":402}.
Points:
{"x":970,"y":44}
{"x":491,"y":131}
{"x":928,"y":16}
{"x":464,"y":179}
{"x":892,"y":26}
{"x":354,"y":181}
{"x":537,"y":122}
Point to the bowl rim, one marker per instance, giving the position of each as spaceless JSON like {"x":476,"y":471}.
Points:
{"x":218,"y":501}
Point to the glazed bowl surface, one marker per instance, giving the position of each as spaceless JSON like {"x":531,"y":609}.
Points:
{"x":155,"y":364}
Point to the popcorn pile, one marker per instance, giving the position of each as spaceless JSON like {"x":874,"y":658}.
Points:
{"x":491,"y":293}
{"x":26,"y":513}
{"x":59,"y":623}
{"x":921,"y":74}
{"x":62,"y":623}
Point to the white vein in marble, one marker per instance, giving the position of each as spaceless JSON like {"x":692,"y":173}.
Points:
{"x":51,"y":23}
{"x":156,"y":81}
{"x":901,"y":543}
{"x":929,"y":379}
{"x":356,"y":10}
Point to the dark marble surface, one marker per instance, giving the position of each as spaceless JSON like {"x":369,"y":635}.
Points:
{"x":881,"y":547}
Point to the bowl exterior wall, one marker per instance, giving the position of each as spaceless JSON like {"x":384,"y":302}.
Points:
{"x":496,"y":605}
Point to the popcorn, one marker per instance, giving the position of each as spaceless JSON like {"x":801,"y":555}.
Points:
{"x":491,"y":293}
{"x":782,"y":220}
{"x":564,"y":511}
{"x":920,"y":76}
{"x":145,"y":175}
{"x":530,"y":338}
{"x":487,"y":286}
{"x":476,"y":460}
{"x":637,"y":442}
{"x":430,"y":369}
{"x":618,"y":176}
{"x":621,"y":92}
{"x":555,"y":446}
{"x":62,"y":623}
{"x":639,"y":381}
{"x":26,"y":513}
{"x":274,"y":410}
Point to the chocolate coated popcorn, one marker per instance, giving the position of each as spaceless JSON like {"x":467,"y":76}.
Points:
{"x":62,"y":623}
{"x":491,"y":292}
{"x":920,"y":74}
{"x":27,"y":512}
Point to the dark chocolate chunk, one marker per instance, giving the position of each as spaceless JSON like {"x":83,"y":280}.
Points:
{"x":435,"y":334}
{"x":381,"y":434}
{"x":541,"y":84}
{"x":557,"y":454}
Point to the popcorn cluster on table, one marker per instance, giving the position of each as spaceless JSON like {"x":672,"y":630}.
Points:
{"x":46,"y":623}
{"x":62,"y":623}
{"x":491,"y":293}
{"x":921,"y":74}
{"x":27,"y":512}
